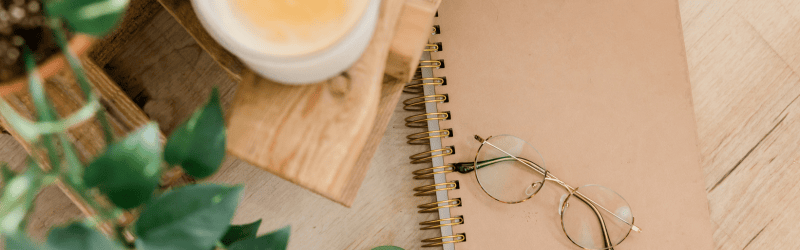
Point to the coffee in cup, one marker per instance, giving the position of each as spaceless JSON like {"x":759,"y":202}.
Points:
{"x":292,"y":41}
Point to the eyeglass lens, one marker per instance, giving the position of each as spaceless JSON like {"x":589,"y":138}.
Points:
{"x":503,"y":177}
{"x":581,"y":218}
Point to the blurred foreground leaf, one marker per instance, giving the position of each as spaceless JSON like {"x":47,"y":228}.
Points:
{"x":93,"y":17}
{"x":276,"y":240}
{"x":130,"y":169}
{"x":18,"y":196}
{"x":77,"y":236}
{"x":240,"y":232}
{"x":192,"y":217}
{"x":6,"y":173}
{"x":19,"y":241}
{"x":198,"y":145}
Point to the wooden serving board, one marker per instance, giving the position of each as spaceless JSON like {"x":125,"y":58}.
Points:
{"x":321,"y":136}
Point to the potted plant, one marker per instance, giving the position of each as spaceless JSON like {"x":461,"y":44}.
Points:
{"x":123,"y":180}
{"x":24,"y":23}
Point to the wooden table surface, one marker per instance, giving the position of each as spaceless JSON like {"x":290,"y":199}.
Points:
{"x":743,"y":56}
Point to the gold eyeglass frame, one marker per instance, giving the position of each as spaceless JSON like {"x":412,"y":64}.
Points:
{"x":466,"y":167}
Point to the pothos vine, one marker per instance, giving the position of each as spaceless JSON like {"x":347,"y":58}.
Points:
{"x":124,"y":179}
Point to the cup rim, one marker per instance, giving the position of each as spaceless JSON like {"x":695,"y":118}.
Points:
{"x":205,"y":9}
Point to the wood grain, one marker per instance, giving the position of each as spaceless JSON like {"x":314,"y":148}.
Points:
{"x":167,"y":73}
{"x":312,"y":135}
{"x":184,"y":13}
{"x":743,"y":61}
{"x":390,"y":95}
{"x":412,"y":32}
{"x":138,"y":13}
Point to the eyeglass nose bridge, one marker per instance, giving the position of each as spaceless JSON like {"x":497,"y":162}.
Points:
{"x":533,"y":188}
{"x":563,"y":205}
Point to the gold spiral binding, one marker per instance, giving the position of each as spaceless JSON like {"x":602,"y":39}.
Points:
{"x":431,"y":47}
{"x":430,"y":64}
{"x":421,"y":120}
{"x":423,"y":138}
{"x":428,"y":173}
{"x":428,"y":156}
{"x":434,"y":224}
{"x":433,"y":188}
{"x":435,"y":206}
{"x":418,"y":102}
{"x":415,"y":86}
{"x":438,"y":241}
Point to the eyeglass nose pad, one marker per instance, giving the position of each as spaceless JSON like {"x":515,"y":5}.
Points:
{"x":532,"y":188}
{"x":563,"y":205}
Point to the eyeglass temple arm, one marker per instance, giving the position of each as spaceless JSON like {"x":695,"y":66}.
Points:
{"x":548,"y":176}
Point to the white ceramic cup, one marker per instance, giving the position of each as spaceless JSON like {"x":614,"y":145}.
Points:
{"x":222,"y":23}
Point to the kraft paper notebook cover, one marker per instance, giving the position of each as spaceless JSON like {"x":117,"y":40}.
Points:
{"x":600,"y":88}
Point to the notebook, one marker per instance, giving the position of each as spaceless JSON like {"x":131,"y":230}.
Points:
{"x":600,"y":88}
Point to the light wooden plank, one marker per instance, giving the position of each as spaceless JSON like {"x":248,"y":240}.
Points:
{"x":743,"y":66}
{"x":412,"y":32}
{"x":698,"y":16}
{"x":390,"y":95}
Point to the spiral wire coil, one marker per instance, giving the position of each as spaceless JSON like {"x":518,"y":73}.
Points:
{"x":417,"y":103}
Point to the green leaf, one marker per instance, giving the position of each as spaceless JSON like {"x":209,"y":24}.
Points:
{"x":240,"y":232}
{"x":19,"y":241}
{"x":18,"y":197}
{"x":387,"y":248}
{"x":276,"y":240}
{"x":36,"y":89}
{"x":179,"y":142}
{"x":130,"y":169}
{"x":7,"y":173}
{"x":199,"y":144}
{"x":78,"y":236}
{"x":93,"y":17}
{"x":191,"y":217}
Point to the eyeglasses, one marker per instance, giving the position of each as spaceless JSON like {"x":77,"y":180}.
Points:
{"x":510,"y":170}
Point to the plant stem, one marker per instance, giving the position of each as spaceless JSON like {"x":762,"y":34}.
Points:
{"x":43,"y":107}
{"x":73,"y":179}
{"x":121,"y":237}
{"x":74,"y":63}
